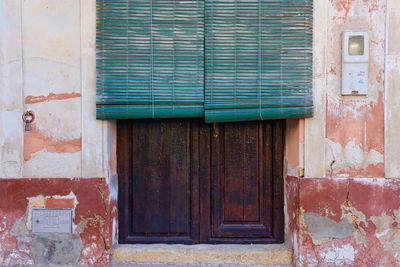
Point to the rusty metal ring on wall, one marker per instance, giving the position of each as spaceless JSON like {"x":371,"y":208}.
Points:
{"x":28,"y":114}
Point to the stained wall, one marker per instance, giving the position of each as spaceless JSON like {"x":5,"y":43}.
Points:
{"x":67,"y":159}
{"x":343,"y":212}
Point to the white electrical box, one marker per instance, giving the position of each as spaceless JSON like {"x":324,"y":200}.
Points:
{"x":355,"y":63}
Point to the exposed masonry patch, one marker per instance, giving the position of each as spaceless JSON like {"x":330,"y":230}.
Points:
{"x":388,"y":231}
{"x":370,"y":207}
{"x":339,"y":255}
{"x":56,"y":248}
{"x":20,"y":256}
{"x":86,"y":246}
{"x":321,"y":227}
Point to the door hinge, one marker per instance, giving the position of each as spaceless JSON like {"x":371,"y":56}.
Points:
{"x":215,"y":130}
{"x":301,"y":172}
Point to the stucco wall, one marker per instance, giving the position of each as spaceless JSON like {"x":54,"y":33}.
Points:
{"x":348,"y":149}
{"x":48,"y":66}
{"x":47,"y":59}
{"x":345,"y":210}
{"x":392,"y":74}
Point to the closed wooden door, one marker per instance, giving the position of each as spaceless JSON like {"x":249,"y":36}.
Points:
{"x":184,"y":181}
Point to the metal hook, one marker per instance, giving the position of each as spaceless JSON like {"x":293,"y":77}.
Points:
{"x":28,"y":117}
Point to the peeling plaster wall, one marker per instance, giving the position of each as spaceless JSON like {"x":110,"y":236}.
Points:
{"x":11,"y":97}
{"x":47,"y":65}
{"x":348,"y":150}
{"x":51,"y":73}
{"x":347,"y":205}
{"x":89,"y":243}
{"x":392,"y":90}
{"x":350,"y":130}
{"x":349,"y":222}
{"x":353,"y":136}
{"x":355,"y":126}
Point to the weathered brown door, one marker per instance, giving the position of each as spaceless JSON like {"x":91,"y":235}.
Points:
{"x":184,"y":181}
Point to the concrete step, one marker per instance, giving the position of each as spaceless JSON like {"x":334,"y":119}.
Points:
{"x":158,"y":255}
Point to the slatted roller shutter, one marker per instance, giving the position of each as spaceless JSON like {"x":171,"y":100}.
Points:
{"x":258,"y":59}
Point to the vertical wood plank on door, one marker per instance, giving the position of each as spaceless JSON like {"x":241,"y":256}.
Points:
{"x":164,"y":205}
{"x":124,"y":170}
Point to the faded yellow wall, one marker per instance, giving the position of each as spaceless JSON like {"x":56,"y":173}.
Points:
{"x":48,"y":66}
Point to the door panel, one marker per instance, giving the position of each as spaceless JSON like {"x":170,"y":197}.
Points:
{"x":242,"y":183}
{"x":184,"y":181}
{"x":162,"y":203}
{"x":239,"y":207}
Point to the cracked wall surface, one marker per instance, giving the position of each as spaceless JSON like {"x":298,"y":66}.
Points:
{"x":67,"y":160}
{"x":349,"y":222}
{"x":355,"y":125}
{"x":348,"y":201}
{"x":47,"y":65}
{"x":345,"y":212}
{"x":90,"y":242}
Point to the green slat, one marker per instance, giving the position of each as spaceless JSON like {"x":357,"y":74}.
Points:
{"x":150,"y":59}
{"x":248,"y":114}
{"x":148,"y":111}
{"x":258,"y":59}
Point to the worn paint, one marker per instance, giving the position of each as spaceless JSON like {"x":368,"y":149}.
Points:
{"x":342,"y":5}
{"x":92,"y":217}
{"x":360,"y":145}
{"x":292,"y":210}
{"x":113,"y":158}
{"x":35,"y":141}
{"x":37,"y":99}
{"x":355,"y":144}
{"x":50,"y":44}
{"x":59,"y":203}
{"x":52,"y":63}
{"x":47,"y":60}
{"x":292,"y":147}
{"x":321,"y":227}
{"x":371,"y":206}
{"x":392,"y":137}
{"x":10,"y":90}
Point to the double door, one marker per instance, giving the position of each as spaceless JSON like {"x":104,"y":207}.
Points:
{"x":184,"y":181}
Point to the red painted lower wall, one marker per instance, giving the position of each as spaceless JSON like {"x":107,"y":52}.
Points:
{"x":93,"y":217}
{"x":332,"y":222}
{"x":345,"y":222}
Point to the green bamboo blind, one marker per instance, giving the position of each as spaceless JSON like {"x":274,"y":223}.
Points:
{"x":254,"y":55}
{"x":150,"y":59}
{"x":258,"y":59}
